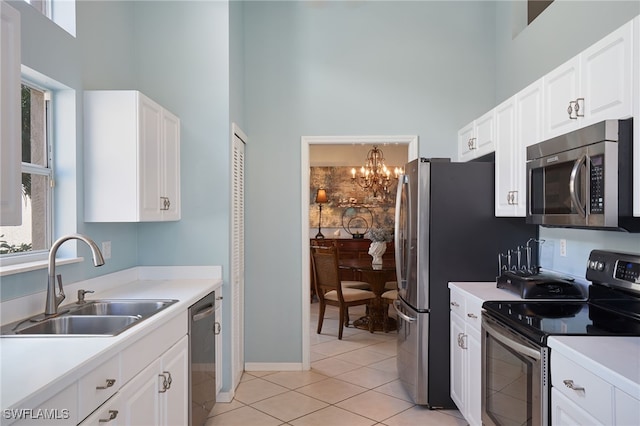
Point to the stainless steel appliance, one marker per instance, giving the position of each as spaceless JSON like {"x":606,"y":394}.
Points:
{"x":445,"y":231}
{"x":516,"y":386}
{"x":202,"y":357}
{"x":583,"y":178}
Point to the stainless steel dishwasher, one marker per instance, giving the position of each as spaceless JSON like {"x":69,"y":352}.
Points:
{"x":202,"y":357}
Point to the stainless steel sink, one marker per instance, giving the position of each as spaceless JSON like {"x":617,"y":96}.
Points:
{"x":91,"y":318}
{"x":102,"y":325}
{"x":142,"y":308}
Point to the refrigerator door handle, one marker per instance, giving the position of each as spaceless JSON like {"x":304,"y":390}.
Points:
{"x":396,"y":306}
{"x":399,"y":254}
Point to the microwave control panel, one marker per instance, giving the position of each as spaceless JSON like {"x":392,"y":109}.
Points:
{"x":597,"y":185}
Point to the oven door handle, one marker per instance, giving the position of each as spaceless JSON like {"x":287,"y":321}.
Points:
{"x":518,"y":347}
{"x":572,"y":185}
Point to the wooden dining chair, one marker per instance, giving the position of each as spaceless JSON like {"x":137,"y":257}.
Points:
{"x":329,"y":288}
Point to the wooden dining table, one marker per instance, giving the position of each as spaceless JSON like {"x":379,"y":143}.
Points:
{"x":377,"y":276}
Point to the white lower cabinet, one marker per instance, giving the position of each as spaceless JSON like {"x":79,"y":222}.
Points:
{"x":566,"y":413}
{"x":158,"y":395}
{"x":465,"y":353}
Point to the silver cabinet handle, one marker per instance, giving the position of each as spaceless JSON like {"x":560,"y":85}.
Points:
{"x":471,"y":144}
{"x":112,"y":415}
{"x":461,"y":337}
{"x":110,"y":382}
{"x":569,"y":383}
{"x":166,"y":382}
{"x":578,"y":107}
{"x":455,"y":304}
{"x":169,"y":379}
{"x":574,"y":107}
{"x":217,"y":328}
{"x":471,"y":315}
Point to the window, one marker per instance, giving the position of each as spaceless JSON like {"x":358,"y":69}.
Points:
{"x":44,"y":6}
{"x":34,"y":236}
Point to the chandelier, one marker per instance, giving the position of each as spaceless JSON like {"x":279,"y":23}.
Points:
{"x":374,"y":175}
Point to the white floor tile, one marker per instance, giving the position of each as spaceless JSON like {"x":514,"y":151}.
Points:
{"x":352,"y":382}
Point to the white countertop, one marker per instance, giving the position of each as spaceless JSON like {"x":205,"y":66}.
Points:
{"x":32,"y":368}
{"x":614,"y":359}
{"x":484,"y":290}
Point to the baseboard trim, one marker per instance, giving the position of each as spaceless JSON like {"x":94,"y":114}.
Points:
{"x":273,"y":366}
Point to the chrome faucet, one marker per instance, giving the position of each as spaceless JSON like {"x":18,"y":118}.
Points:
{"x":54,"y":300}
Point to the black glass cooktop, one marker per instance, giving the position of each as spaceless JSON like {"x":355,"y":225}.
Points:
{"x":539,"y":319}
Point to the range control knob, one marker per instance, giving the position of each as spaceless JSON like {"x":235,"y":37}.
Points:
{"x":600,"y":266}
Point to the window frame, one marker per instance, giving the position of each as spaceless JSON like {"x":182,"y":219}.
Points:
{"x":10,"y":259}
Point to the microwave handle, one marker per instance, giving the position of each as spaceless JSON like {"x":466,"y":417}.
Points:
{"x":572,"y":184}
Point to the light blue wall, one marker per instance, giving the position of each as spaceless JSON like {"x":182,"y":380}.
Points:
{"x":343,"y":68}
{"x":177,"y":53}
{"x":563,"y":30}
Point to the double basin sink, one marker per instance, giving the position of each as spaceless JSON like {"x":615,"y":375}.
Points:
{"x":91,"y":318}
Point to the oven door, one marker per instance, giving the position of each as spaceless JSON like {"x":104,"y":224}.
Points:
{"x":514,"y":377}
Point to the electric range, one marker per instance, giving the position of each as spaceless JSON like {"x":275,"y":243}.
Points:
{"x":612,"y":307}
{"x":514,"y":337}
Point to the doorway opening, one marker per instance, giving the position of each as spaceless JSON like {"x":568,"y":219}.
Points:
{"x":410,"y":141}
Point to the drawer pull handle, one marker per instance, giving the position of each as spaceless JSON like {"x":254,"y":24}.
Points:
{"x":110,"y":382}
{"x":572,"y":386}
{"x":474,"y":316}
{"x":454,"y":304}
{"x":112,"y":415}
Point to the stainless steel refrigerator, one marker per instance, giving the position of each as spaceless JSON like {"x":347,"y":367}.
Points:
{"x":445,"y":231}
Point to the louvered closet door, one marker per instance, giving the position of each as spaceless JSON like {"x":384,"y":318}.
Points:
{"x":237,"y":260}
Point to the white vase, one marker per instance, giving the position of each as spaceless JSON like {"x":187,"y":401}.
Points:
{"x":376,"y":250}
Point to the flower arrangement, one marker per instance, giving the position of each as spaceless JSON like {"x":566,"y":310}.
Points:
{"x":379,"y":235}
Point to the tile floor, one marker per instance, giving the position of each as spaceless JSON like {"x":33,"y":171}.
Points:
{"x":352,"y":382}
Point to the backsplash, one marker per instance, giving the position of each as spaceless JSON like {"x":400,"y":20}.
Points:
{"x":579,"y":243}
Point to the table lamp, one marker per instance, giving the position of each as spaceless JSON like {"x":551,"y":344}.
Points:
{"x":321,"y":198}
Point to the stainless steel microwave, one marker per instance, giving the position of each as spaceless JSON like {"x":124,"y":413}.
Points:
{"x":583,"y":179}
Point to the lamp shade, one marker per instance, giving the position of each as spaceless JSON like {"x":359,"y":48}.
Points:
{"x":321,"y":196}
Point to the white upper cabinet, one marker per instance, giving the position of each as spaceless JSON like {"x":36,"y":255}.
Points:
{"x":595,"y":85}
{"x":132,"y":159}
{"x":477,"y":138}
{"x":507,"y":152}
{"x":518,"y":125}
{"x":10,"y":145}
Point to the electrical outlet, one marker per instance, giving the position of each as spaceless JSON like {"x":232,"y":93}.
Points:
{"x":563,"y":248}
{"x":106,"y":249}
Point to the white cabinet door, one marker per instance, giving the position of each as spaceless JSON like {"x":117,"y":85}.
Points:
{"x":606,"y":71}
{"x":474,"y":377}
{"x":457,"y":368}
{"x":506,"y":165}
{"x":627,"y":409}
{"x":150,"y":148}
{"x":132,"y":158}
{"x":10,"y":133}
{"x":566,"y":413}
{"x":140,"y":398}
{"x":466,"y":143}
{"x":593,"y":86}
{"x":561,"y":90}
{"x":174,"y":401}
{"x":477,"y":138}
{"x":170,"y":195}
{"x":218,"y":343}
{"x":485,"y":134}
